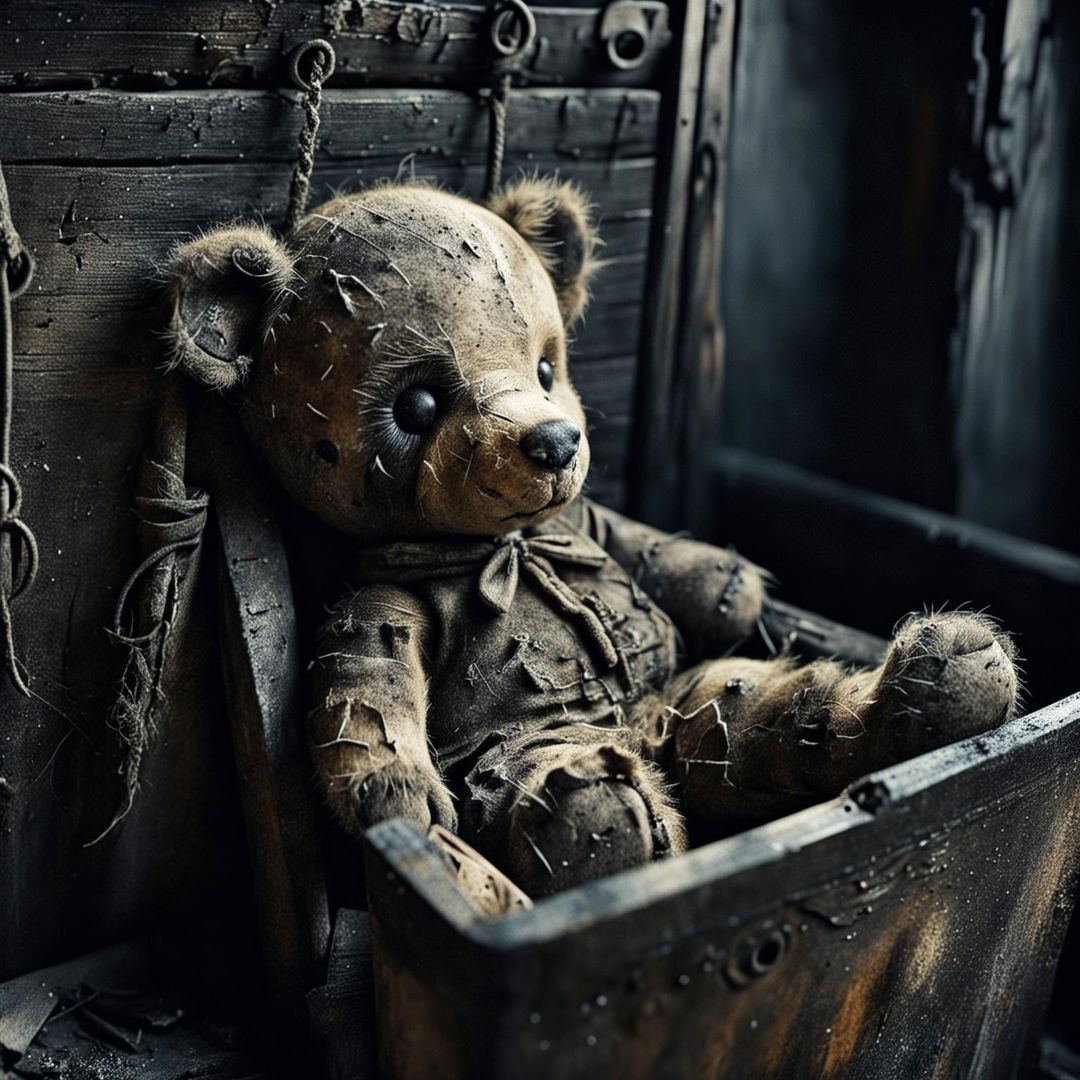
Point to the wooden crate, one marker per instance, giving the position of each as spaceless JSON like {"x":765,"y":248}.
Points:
{"x":909,"y":928}
{"x":127,"y":127}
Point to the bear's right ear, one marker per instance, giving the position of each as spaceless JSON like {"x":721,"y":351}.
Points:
{"x":226,"y":289}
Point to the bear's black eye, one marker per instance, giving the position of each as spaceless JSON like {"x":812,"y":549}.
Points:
{"x":327,"y":451}
{"x":415,"y":410}
{"x":545,"y":373}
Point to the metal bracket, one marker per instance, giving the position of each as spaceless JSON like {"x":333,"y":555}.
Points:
{"x":513,"y":29}
{"x":631,"y":29}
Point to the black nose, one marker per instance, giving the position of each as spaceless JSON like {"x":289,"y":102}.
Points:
{"x":552,"y":445}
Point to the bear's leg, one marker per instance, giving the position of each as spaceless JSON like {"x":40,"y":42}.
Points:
{"x":562,"y":806}
{"x":750,"y":739}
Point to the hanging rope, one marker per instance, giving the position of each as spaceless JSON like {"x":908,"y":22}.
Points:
{"x":496,"y":135}
{"x":512,"y":31}
{"x":310,"y":65}
{"x":18,"y":548}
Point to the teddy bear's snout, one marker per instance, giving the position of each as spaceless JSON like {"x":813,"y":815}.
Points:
{"x":552,"y":445}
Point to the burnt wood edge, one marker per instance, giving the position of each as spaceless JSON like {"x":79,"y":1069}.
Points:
{"x":731,"y":466}
{"x":405,"y":871}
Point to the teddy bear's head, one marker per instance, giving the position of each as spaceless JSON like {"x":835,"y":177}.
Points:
{"x":400,"y":359}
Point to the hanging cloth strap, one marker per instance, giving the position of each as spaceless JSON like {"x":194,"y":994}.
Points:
{"x":18,"y":548}
{"x":155,"y":599}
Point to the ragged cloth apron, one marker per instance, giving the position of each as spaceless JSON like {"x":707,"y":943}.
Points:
{"x":533,"y":630}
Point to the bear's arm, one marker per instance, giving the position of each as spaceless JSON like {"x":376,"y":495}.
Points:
{"x":713,"y":595}
{"x":368,"y":727}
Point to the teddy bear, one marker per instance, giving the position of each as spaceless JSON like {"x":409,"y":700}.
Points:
{"x":514,"y":662}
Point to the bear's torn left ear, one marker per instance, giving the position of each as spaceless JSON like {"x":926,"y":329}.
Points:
{"x":556,"y":220}
{"x":226,"y":289}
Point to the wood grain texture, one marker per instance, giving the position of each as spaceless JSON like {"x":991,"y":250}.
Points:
{"x":843,"y":239}
{"x":77,"y":438}
{"x":132,"y":45}
{"x":810,"y":947}
{"x":1014,"y":360}
{"x":262,"y":664}
{"x":654,"y":497}
{"x":698,"y":373}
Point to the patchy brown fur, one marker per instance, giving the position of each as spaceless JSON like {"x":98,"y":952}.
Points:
{"x":508,"y":662}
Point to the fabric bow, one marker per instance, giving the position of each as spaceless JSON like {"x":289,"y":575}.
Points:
{"x":501,"y":570}
{"x":499,"y":580}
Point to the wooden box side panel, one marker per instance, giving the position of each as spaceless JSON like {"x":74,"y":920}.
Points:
{"x":911,"y":929}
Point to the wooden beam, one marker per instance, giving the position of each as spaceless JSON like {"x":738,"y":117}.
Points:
{"x":657,"y":465}
{"x":1015,"y":359}
{"x":126,"y":44}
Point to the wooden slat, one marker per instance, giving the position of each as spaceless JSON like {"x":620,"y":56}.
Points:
{"x":655,"y":495}
{"x":262,"y":663}
{"x":378,"y":127}
{"x":128,"y":44}
{"x":100,"y":232}
{"x":77,"y":437}
{"x":1015,"y":366}
{"x":699,"y":366}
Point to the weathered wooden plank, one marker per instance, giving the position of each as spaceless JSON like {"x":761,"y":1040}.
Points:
{"x":343,"y":1010}
{"x":1014,"y":364}
{"x":655,"y":496}
{"x":76,"y":442}
{"x":127,"y":44}
{"x":105,"y":127}
{"x":262,"y":662}
{"x":806,"y":948}
{"x":699,"y":366}
{"x":811,"y":636}
{"x":98,"y":236}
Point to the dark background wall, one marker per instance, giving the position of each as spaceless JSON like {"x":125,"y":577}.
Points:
{"x":902,"y":252}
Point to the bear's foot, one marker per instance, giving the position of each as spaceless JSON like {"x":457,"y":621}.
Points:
{"x":750,"y":739}
{"x":569,"y":809}
{"x":953,"y":674}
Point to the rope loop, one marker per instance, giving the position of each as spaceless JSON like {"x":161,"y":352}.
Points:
{"x":310,"y":65}
{"x":24,"y":555}
{"x":303,"y":59}
{"x":19,"y":271}
{"x":14,"y":491}
{"x":19,"y":554}
{"x":512,"y":29}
